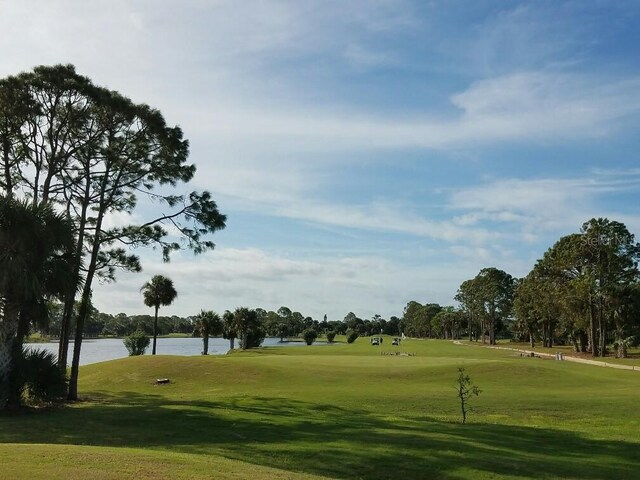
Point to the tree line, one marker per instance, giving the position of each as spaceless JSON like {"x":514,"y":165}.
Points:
{"x":283,"y":323}
{"x":583,"y":292}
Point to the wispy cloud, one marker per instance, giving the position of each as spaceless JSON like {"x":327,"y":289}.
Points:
{"x":254,"y":277}
{"x":546,"y":205}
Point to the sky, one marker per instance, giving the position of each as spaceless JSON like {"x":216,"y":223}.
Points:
{"x":367,"y":152}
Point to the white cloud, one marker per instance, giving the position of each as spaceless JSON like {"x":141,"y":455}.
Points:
{"x":228,"y":278}
{"x":544,"y":206}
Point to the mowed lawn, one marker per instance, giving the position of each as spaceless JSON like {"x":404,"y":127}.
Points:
{"x":341,"y":411}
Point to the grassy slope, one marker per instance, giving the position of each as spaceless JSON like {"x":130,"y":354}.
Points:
{"x":340,"y":411}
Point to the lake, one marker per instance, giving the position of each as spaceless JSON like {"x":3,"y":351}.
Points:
{"x":103,"y":349}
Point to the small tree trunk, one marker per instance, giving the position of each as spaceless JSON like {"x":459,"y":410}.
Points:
{"x":532,"y":341}
{"x":622,"y":349}
{"x":574,"y":342}
{"x":231,"y":343}
{"x":584,"y":341}
{"x":205,"y":344}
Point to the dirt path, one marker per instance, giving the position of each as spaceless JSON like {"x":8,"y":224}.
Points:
{"x":568,"y":358}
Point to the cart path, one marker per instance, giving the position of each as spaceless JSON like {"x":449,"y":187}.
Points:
{"x":567,"y":358}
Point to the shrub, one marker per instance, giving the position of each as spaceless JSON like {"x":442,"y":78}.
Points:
{"x":351,"y":336}
{"x":330,"y":336}
{"x":309,"y":335}
{"x":39,"y":377}
{"x":136,"y":343}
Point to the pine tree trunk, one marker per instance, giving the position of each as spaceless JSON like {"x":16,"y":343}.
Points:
{"x":592,"y":329}
{"x":65,"y":329}
{"x":602,"y":326}
{"x":83,"y":312}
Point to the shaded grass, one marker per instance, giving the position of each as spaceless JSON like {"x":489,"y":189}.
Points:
{"x":346,"y":412}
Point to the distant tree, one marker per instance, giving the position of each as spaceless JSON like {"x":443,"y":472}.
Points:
{"x":446,"y":322}
{"x":471,"y":304}
{"x":393,"y":326}
{"x":331,"y":335}
{"x":417,"y":318}
{"x":229,"y":329}
{"x":158,"y":291}
{"x":309,"y":336}
{"x":207,"y":323}
{"x":490,"y":296}
{"x":352,"y":336}
{"x":136,"y":343}
{"x":249,"y":330}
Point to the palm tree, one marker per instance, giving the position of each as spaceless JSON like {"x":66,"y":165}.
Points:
{"x":229,"y":328}
{"x":35,"y":263}
{"x":207,"y":323}
{"x":158,"y":291}
{"x":248,"y":327}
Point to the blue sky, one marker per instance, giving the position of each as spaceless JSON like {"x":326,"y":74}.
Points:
{"x":371,"y":152}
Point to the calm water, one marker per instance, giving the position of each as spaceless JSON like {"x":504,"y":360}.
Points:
{"x":104,"y":349}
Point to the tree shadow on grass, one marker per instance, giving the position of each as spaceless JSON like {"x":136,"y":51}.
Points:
{"x":326,"y":440}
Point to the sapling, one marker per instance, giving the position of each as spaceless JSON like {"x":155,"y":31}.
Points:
{"x":465,"y":392}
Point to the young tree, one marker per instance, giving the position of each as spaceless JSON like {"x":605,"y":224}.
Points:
{"x":465,"y":392}
{"x":159,"y":291}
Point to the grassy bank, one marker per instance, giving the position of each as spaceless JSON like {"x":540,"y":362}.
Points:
{"x":341,"y":411}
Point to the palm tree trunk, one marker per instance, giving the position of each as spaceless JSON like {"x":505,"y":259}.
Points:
{"x":8,"y":331}
{"x":155,"y":330}
{"x":205,"y":344}
{"x":232,"y":343}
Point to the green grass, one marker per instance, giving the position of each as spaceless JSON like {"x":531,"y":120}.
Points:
{"x":340,"y":411}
